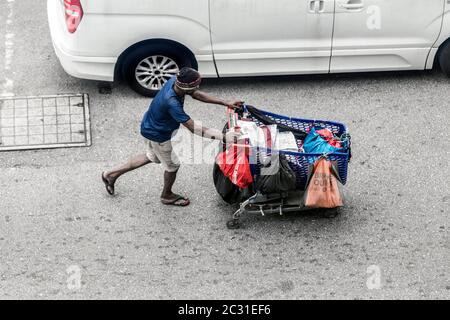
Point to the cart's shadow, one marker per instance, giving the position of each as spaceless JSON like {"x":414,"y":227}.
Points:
{"x":268,"y":221}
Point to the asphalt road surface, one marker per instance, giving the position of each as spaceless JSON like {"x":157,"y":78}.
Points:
{"x":62,"y":236}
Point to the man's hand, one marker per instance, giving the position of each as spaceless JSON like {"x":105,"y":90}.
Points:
{"x":235,"y":105}
{"x":231,"y":137}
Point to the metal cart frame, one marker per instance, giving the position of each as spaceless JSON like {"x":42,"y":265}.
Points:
{"x":299,"y":162}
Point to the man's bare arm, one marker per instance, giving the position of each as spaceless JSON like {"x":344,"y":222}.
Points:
{"x":204,"y":97}
{"x":203,"y":131}
{"x":210,"y":133}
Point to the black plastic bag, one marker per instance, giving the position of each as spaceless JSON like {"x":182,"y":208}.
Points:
{"x":229,"y":192}
{"x":278,"y":178}
{"x":299,"y":134}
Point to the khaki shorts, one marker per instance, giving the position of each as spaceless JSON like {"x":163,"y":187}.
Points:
{"x":163,"y":153}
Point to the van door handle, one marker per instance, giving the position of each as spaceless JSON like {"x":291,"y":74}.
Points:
{"x":316,"y":6}
{"x":352,"y":6}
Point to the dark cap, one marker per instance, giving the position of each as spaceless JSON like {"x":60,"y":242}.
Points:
{"x":188,"y":79}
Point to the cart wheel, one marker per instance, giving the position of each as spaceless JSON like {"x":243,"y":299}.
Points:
{"x":331,"y":213}
{"x":233,"y":224}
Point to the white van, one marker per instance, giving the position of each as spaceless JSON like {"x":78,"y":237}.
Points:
{"x":148,"y":41}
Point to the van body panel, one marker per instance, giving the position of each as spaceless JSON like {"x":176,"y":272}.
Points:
{"x":264,"y":37}
{"x":385,"y":35}
{"x":444,"y":36}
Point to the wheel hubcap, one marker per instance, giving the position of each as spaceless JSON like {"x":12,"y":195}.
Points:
{"x":153,"y":72}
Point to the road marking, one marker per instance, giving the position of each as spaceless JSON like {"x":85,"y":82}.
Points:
{"x":7,"y":84}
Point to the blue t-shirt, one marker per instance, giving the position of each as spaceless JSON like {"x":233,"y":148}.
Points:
{"x":164,"y":115}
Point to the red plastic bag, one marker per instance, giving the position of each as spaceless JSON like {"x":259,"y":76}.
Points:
{"x":234,"y":164}
{"x":330,"y":138}
{"x":323,"y":190}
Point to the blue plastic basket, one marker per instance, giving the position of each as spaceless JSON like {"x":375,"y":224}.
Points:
{"x":300,"y":162}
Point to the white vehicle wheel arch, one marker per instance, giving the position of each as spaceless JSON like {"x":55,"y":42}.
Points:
{"x":145,"y":66}
{"x":121,"y":64}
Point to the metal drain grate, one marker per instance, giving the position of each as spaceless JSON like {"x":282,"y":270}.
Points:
{"x":56,"y":121}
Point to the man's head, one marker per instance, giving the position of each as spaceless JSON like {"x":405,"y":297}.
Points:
{"x":188,"y":80}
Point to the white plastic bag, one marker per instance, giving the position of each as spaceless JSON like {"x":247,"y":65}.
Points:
{"x":286,"y":141}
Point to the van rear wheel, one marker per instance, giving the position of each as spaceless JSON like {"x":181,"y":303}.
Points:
{"x":444,"y":59}
{"x":147,"y":69}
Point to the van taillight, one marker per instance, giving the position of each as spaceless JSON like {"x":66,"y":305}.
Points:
{"x":74,"y":14}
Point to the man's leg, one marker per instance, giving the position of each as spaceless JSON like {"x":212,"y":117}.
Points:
{"x":171,"y":163}
{"x":167,"y":196}
{"x":132,"y":164}
{"x":169,"y":180}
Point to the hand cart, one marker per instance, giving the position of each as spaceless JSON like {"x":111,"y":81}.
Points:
{"x":300,"y":163}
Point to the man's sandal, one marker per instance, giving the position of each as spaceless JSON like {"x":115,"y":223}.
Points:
{"x":109,"y":186}
{"x":179,"y":201}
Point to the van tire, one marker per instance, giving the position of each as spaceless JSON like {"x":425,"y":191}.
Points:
{"x":182,"y":59}
{"x":444,"y":59}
